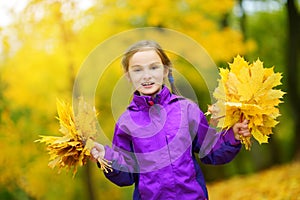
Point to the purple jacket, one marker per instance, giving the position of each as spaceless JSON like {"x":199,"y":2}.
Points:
{"x":154,"y":145}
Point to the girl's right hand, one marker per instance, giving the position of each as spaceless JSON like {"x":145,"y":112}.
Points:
{"x":97,"y":152}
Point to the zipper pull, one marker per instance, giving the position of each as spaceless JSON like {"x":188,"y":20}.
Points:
{"x":151,"y":103}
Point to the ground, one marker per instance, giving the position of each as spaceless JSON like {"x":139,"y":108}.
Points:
{"x":277,"y":183}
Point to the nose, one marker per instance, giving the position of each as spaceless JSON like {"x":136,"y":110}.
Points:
{"x":147,"y":75}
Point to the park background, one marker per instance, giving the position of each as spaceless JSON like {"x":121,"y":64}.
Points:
{"x":44,"y":43}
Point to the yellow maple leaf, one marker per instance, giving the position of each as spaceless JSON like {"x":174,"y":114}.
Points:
{"x":247,"y":91}
{"x":238,"y":64}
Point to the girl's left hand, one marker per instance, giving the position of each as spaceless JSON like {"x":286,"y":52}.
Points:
{"x":241,"y":129}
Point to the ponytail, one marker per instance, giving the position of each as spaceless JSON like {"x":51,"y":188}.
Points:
{"x":172,"y":84}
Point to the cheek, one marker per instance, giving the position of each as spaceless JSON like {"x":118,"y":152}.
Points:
{"x":161,"y":76}
{"x":134,"y":79}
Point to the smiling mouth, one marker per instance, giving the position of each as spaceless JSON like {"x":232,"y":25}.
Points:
{"x":147,"y":84}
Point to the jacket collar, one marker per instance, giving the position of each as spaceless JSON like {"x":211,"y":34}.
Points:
{"x":140,"y":102}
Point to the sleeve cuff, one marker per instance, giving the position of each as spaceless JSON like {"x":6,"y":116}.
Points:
{"x":229,"y":137}
{"x":109,"y":154}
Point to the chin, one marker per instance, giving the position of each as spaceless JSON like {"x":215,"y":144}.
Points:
{"x":150,"y":92}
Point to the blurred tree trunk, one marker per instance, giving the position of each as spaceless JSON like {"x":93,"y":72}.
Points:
{"x":88,"y":181}
{"x":293,"y":53}
{"x":242,"y":19}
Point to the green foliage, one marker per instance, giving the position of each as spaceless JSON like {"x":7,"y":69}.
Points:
{"x":268,"y":29}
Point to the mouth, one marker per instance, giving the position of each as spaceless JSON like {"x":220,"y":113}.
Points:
{"x":147,"y":84}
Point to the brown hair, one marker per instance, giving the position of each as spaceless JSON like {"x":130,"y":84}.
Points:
{"x":145,"y":45}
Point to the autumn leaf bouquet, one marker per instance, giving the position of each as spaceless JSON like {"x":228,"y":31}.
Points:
{"x":72,"y":149}
{"x":247,"y":91}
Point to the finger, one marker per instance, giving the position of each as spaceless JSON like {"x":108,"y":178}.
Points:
{"x":242,"y":130}
{"x":244,"y":133}
{"x":245,"y":121}
{"x":96,"y":145}
{"x":238,"y":125}
{"x":94,"y":153}
{"x":244,"y":126}
{"x":247,"y":134}
{"x":99,"y":147}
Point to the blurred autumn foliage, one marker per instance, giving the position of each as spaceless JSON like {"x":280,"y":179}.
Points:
{"x":44,"y":47}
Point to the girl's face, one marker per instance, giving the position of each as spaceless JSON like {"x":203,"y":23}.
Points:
{"x":146,"y":72}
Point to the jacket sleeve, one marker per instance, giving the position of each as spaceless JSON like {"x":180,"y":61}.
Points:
{"x":213,"y":147}
{"x":122,"y":159}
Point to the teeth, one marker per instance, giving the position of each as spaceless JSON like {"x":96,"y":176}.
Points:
{"x":146,"y":84}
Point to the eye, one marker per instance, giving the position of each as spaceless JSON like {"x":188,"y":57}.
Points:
{"x":136,"y":69}
{"x":157,"y":66}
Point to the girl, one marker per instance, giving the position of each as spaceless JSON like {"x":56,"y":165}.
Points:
{"x":156,"y":137}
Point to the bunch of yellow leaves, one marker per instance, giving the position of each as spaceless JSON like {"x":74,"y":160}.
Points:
{"x":246,"y":91}
{"x":73,"y":148}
